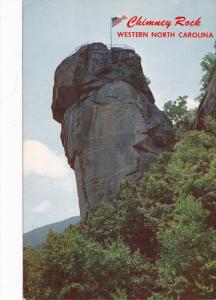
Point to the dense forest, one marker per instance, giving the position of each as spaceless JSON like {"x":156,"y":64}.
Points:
{"x":157,"y":240}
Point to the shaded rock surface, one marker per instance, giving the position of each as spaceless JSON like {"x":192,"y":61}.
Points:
{"x":111,"y":128}
{"x":207,"y":105}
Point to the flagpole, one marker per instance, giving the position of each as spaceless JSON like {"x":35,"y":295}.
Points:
{"x":111,"y":32}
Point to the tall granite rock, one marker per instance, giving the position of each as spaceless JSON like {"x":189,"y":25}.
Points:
{"x":111,"y":128}
{"x":207,"y":105}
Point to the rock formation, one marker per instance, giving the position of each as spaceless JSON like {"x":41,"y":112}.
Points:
{"x":111,"y":128}
{"x":207,"y":105}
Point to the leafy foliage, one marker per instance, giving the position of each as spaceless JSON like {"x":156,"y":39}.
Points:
{"x":208,"y":65}
{"x":157,"y":240}
{"x":178,"y":112}
{"x":187,"y":263}
{"x":73,"y":267}
{"x":192,"y":168}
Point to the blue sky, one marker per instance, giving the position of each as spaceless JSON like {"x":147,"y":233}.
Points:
{"x":52,"y":30}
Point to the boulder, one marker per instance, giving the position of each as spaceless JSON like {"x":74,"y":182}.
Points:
{"x":111,"y":128}
{"x":207,"y":105}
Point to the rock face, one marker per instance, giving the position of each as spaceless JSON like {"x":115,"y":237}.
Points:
{"x":111,"y":128}
{"x":207,"y":105}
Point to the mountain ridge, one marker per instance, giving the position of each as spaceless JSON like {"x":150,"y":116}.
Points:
{"x":36,"y":236}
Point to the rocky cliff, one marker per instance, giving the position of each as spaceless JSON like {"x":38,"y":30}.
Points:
{"x":111,"y":128}
{"x":207,"y":105}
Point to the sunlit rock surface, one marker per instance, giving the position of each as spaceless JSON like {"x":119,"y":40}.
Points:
{"x":111,"y":128}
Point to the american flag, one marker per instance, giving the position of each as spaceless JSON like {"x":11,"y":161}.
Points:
{"x":117,"y":20}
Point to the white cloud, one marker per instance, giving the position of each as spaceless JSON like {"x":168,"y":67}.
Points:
{"x":42,"y":207}
{"x":40,"y":160}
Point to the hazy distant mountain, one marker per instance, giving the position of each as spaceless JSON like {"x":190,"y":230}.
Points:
{"x":36,"y":236}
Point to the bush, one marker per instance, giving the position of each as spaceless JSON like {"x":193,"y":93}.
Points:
{"x":73,"y":267}
{"x":157,"y":240}
{"x":187,"y":263}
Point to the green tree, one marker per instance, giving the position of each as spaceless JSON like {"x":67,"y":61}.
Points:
{"x":74,"y":267}
{"x":178,"y":112}
{"x":157,"y":240}
{"x":208,"y":65}
{"x":102,"y":224}
{"x":191,"y":169}
{"x":33,"y":273}
{"x":187,"y":263}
